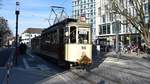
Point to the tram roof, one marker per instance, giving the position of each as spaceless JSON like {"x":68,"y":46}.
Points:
{"x":65,"y":21}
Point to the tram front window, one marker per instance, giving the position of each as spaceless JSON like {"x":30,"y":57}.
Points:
{"x":83,"y":36}
{"x":73,"y":34}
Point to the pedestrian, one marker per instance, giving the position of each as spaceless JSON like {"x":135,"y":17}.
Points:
{"x":21,"y":48}
{"x":17,"y":51}
{"x":24,"y":48}
{"x":144,"y":48}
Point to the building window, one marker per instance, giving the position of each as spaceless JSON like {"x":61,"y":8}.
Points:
{"x":104,"y":18}
{"x":91,"y":6}
{"x":113,"y":27}
{"x":124,"y":26}
{"x":146,"y":19}
{"x":106,"y":7}
{"x":99,"y":11}
{"x":116,"y":27}
{"x":104,"y":29}
{"x":130,"y":2}
{"x":146,"y":8}
{"x":110,"y":17}
{"x":100,"y":29}
{"x":108,"y":28}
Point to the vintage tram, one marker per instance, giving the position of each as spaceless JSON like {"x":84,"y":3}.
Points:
{"x":66,"y":41}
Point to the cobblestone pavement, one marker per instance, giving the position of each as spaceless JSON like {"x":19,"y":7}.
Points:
{"x":106,"y":70}
{"x":29,"y":70}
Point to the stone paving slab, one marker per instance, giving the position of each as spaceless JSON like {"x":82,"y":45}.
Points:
{"x":110,"y":71}
{"x":124,"y":75}
{"x":19,"y":76}
{"x":2,"y":74}
{"x":132,"y":54}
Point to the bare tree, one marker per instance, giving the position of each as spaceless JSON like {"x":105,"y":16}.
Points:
{"x":4,"y":30}
{"x":140,"y":10}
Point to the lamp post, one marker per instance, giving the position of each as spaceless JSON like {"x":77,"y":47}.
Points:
{"x":148,"y":28}
{"x":16,"y":43}
{"x":117,"y":27}
{"x":117,"y":36}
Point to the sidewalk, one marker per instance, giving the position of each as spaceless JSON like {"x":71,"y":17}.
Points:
{"x":109,"y":70}
{"x":21,"y":76}
{"x":21,"y":73}
{"x":128,"y":55}
{"x":1,"y":48}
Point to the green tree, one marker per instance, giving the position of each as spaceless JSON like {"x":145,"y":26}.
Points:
{"x":140,"y":10}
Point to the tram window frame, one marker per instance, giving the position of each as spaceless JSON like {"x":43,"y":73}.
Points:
{"x":66,"y":34}
{"x":82,"y":41}
{"x":73,"y":34}
{"x":55,"y":37}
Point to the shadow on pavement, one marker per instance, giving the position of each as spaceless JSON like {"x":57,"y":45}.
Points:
{"x":97,"y":57}
{"x":32,"y":75}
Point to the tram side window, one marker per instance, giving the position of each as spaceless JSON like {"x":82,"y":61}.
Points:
{"x":73,"y":34}
{"x":66,"y":38}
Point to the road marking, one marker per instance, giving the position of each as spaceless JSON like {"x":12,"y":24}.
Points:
{"x":26,"y":63}
{"x":30,"y":55}
{"x":62,"y":78}
{"x":42,"y":67}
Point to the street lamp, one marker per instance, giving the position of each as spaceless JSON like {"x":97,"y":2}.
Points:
{"x":16,"y":43}
{"x":117,"y":35}
{"x":117,"y":27}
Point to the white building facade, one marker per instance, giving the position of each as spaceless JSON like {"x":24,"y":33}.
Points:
{"x":85,"y":8}
{"x":108,"y":25}
{"x":30,"y":33}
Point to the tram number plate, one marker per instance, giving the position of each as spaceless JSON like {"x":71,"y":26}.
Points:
{"x":83,"y":47}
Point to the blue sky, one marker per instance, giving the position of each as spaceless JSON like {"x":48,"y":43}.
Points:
{"x":33,"y":13}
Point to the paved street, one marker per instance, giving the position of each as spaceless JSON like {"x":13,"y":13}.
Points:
{"x":106,"y":69}
{"x":30,"y":70}
{"x":75,"y":42}
{"x":110,"y":70}
{"x":4,"y":55}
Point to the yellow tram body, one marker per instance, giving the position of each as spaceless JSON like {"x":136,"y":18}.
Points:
{"x":76,"y":52}
{"x":69,"y":40}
